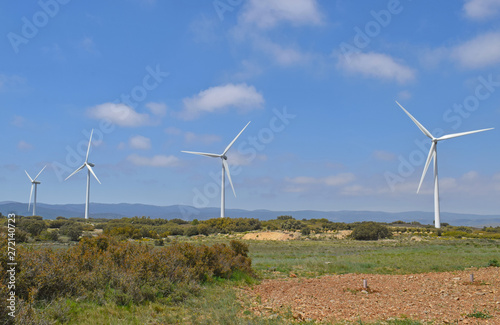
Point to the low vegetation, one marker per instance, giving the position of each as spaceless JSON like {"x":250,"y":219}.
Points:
{"x":104,"y":270}
{"x":370,"y":231}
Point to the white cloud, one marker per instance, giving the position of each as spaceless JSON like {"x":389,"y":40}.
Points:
{"x":54,"y":51}
{"x":119,"y":114}
{"x":8,"y":82}
{"x":481,"y":9}
{"x":333,"y":180}
{"x":88,"y":45}
{"x":191,"y":137}
{"x":237,"y":159}
{"x":204,"y":30}
{"x":248,"y":70}
{"x":384,"y":155}
{"x":140,"y":142}
{"x":158,"y":109}
{"x":23,"y":145}
{"x":173,"y":130}
{"x":267,"y":14}
{"x":404,"y":94}
{"x":241,"y":96}
{"x":155,"y":161}
{"x":376,"y":65}
{"x":431,"y":58}
{"x":18,"y":121}
{"x":282,"y":55}
{"x":470,"y":176}
{"x":482,"y":51}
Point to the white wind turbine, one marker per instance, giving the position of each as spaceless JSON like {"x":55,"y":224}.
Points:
{"x":89,"y":170}
{"x":34,"y":184}
{"x":433,"y":154}
{"x":225,"y":169}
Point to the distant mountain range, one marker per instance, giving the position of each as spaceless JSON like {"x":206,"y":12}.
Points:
{"x":188,"y":213}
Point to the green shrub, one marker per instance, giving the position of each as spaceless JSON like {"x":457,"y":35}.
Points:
{"x":456,"y":234}
{"x":305,"y":231}
{"x":494,"y":263}
{"x":49,"y":235}
{"x":32,"y":225}
{"x":370,"y":231}
{"x":291,"y":224}
{"x":73,"y":230}
{"x":191,"y":231}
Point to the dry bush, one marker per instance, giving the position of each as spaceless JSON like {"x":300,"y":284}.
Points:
{"x":103,"y":269}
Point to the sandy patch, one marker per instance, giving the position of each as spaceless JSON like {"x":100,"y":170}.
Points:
{"x":269,"y":235}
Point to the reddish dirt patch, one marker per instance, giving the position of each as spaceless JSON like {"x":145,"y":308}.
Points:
{"x":439,"y":297}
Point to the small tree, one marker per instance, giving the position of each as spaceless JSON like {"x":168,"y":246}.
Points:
{"x":73,"y":230}
{"x":291,"y":224}
{"x":32,"y":225}
{"x":284,"y":218}
{"x":370,"y":231}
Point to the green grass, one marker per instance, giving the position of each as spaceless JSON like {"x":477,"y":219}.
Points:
{"x":480,"y":314}
{"x":312,"y":258}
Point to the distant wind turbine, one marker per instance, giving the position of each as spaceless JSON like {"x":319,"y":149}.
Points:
{"x":34,"y":184}
{"x":433,"y":154}
{"x":225,"y":169}
{"x":89,"y":170}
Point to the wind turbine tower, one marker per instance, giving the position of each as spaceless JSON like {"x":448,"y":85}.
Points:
{"x":433,"y":154}
{"x":225,"y":170}
{"x":34,"y":184}
{"x":89,"y":171}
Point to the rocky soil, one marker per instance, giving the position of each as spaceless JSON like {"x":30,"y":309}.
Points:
{"x":440,"y":298}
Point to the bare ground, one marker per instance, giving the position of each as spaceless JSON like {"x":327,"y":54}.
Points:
{"x":270,"y":235}
{"x":441,"y":298}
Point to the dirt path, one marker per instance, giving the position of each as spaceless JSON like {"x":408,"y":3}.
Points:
{"x":440,"y":297}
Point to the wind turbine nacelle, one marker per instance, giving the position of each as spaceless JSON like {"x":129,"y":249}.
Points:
{"x":36,"y":182}
{"x":91,"y":164}
{"x":224,"y":157}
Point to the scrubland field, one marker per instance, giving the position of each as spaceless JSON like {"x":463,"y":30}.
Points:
{"x":221,"y":278}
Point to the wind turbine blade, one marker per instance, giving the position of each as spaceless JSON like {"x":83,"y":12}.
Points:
{"x":28,"y":176}
{"x":213,"y":155}
{"x":90,"y":168}
{"x":432,"y":152}
{"x":31,"y":194}
{"x":226,"y":167}
{"x":229,"y":146}
{"x":88,"y":149}
{"x":455,"y":135}
{"x":76,"y":171}
{"x":39,"y":173}
{"x":420,"y":126}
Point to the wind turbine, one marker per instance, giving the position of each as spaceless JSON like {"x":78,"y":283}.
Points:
{"x":89,"y":170}
{"x":433,"y":154}
{"x":34,"y":184}
{"x":225,"y":169}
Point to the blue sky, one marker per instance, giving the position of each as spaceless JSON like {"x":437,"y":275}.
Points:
{"x":318,"y":80}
